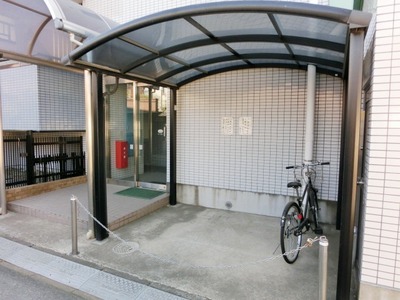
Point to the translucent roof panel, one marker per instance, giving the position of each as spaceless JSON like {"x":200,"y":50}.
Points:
{"x":29,"y":29}
{"x":186,"y":75}
{"x":176,"y":46}
{"x":281,"y":62}
{"x":192,"y":55}
{"x":317,"y":52}
{"x":26,"y":29}
{"x":166,"y":34}
{"x":258,"y":47}
{"x":245,"y":23}
{"x":83,"y":22}
{"x":157,"y":67}
{"x":205,"y":39}
{"x":115,"y":54}
{"x":223,"y":65}
{"x":313,"y":28}
{"x":51,"y":45}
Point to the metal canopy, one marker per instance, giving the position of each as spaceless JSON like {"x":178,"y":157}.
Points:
{"x":27,"y":32}
{"x":181,"y":45}
{"x":178,"y":46}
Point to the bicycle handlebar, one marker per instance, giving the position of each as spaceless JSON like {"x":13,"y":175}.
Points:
{"x":309,"y":165}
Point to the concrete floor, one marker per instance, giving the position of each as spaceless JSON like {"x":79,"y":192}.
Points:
{"x":193,"y":252}
{"x":56,"y":205}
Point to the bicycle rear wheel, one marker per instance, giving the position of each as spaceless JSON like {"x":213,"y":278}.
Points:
{"x":290,"y":243}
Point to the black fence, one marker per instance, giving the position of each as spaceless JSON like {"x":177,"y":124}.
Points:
{"x":32,"y":157}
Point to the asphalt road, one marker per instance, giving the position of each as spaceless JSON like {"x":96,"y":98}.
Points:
{"x":17,"y":283}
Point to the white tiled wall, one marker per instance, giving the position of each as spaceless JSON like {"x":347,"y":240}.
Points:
{"x":381,"y":247}
{"x":275,"y":100}
{"x":61,"y":100}
{"x":242,"y":161}
{"x":19,"y":98}
{"x":42,"y":98}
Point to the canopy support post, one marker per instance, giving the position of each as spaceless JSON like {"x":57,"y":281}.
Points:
{"x":89,"y":146}
{"x":2,"y":168}
{"x":350,"y":163}
{"x":172,"y":158}
{"x":95,"y":132}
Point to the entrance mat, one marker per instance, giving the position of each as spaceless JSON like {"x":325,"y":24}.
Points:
{"x":139,"y":193}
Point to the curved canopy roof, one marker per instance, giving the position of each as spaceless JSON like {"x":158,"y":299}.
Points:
{"x":178,"y":46}
{"x":27,"y":32}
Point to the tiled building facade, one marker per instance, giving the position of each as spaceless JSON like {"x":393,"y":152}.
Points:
{"x":380,"y":273}
{"x":213,"y":168}
{"x":240,"y":167}
{"x":248,"y":169}
{"x":41,"y":98}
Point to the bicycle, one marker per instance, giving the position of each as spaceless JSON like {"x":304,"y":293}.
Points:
{"x":295,"y":219}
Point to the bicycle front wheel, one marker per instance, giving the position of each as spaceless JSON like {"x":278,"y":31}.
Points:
{"x":290,"y":243}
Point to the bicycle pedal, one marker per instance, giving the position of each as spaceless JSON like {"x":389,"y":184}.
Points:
{"x":318,"y":230}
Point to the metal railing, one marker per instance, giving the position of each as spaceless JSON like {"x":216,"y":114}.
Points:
{"x":31,"y":157}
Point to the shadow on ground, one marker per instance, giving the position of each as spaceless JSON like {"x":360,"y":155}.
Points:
{"x":194,"y":252}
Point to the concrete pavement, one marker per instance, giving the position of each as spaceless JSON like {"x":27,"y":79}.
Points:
{"x":19,"y":284}
{"x":190,"y":252}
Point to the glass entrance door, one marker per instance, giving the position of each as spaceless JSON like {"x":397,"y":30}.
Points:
{"x":152,"y":137}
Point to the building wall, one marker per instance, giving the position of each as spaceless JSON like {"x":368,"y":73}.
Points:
{"x":19,"y":94}
{"x":61,"y":99}
{"x":41,"y":98}
{"x":380,"y":273}
{"x":249,"y":169}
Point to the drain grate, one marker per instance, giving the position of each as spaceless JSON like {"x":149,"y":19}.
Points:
{"x":125,"y":247}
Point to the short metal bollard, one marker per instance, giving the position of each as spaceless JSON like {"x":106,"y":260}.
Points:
{"x":323,"y":267}
{"x":74,"y":226}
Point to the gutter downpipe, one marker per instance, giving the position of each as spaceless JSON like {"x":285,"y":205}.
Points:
{"x":310,"y":112}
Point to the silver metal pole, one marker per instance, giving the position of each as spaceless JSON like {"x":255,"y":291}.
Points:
{"x":323,"y":267}
{"x":2,"y":169}
{"x":136,"y":131}
{"x":74,"y":226}
{"x":89,"y":146}
{"x":310,"y":113}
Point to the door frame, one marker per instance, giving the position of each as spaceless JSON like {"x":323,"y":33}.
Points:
{"x":137,"y":143}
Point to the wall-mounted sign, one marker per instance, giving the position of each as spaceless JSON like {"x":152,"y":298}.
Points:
{"x":245,"y":126}
{"x":227,"y":126}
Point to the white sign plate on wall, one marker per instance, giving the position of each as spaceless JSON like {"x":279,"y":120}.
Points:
{"x":227,"y":126}
{"x":245,"y":126}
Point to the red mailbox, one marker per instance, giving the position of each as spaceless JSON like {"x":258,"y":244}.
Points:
{"x":121,"y":152}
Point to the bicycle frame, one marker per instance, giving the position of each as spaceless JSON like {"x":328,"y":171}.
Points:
{"x":304,"y":209}
{"x":299,"y":215}
{"x":303,"y":202}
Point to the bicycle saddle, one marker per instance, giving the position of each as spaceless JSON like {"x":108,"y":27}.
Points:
{"x":294,"y":184}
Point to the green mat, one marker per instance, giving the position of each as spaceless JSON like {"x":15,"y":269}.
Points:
{"x":139,"y":193}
